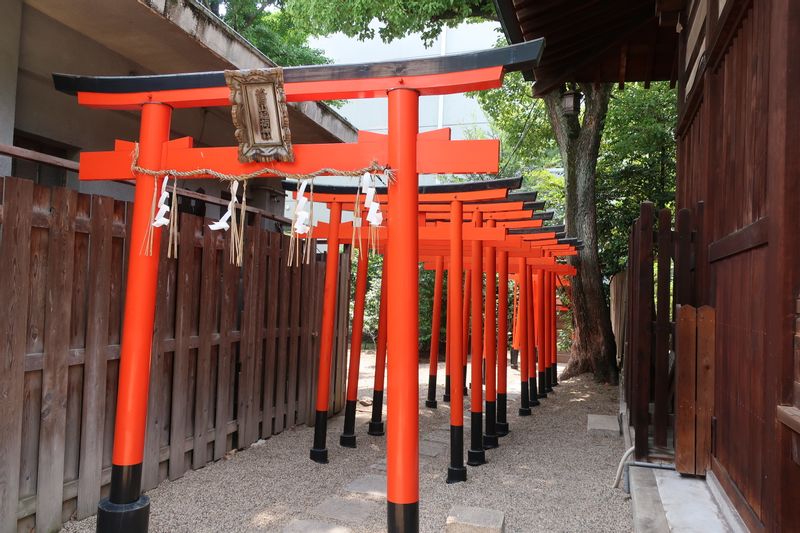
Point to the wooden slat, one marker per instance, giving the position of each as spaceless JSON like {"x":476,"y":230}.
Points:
{"x":319,"y":284}
{"x":225,"y":367}
{"x":14,"y":264}
{"x":180,"y":363}
{"x":294,"y":345}
{"x":259,"y":332}
{"x":281,"y":353}
{"x":661,"y":355}
{"x":52,"y":426}
{"x":271,"y":317}
{"x":644,"y":310}
{"x":686,"y":389}
{"x":706,"y":336}
{"x":246,"y":364}
{"x":747,"y":238}
{"x":157,"y":418}
{"x":94,"y":365}
{"x":208,"y":287}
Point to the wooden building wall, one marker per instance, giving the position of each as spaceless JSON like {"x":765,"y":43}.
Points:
{"x":234,"y":350}
{"x":738,"y":154}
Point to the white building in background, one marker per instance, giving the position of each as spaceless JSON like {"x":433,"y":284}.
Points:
{"x":459,"y":112}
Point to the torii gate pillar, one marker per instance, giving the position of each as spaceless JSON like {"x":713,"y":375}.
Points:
{"x":402,"y":435}
{"x":126,"y":509}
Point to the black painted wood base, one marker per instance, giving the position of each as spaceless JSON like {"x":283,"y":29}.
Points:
{"x":133,"y":517}
{"x":376,"y":428}
{"x":431,"y":401}
{"x":403,"y":517}
{"x":319,"y":453}
{"x":348,"y":437}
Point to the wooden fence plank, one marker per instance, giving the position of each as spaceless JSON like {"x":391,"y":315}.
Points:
{"x":283,"y":327}
{"x":226,"y":354}
{"x":14,"y":264}
{"x":319,"y":284}
{"x":52,"y":426}
{"x":94,"y":366}
{"x":644,"y":306}
{"x":163,"y":327}
{"x":246,"y":352}
{"x":305,"y":360}
{"x":208,"y":286}
{"x":685,"y":382}
{"x":180,"y":364}
{"x":294,"y":345}
{"x":259,"y":331}
{"x":271,"y":318}
{"x":706,"y":336}
{"x":661,"y":355}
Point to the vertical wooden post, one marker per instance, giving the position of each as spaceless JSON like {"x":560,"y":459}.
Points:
{"x":126,"y":508}
{"x":402,"y":439}
{"x":476,"y":455}
{"x":436,"y":324}
{"x":319,"y":452}
{"x":502,"y":343}
{"x":348,"y":436}
{"x":448,"y":342}
{"x":375,"y":427}
{"x":644,"y":307}
{"x":456,"y":471}
{"x":661,"y":355}
{"x":553,"y":314}
{"x":490,"y":346}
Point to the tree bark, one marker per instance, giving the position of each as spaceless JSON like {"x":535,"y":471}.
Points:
{"x":593,"y":347}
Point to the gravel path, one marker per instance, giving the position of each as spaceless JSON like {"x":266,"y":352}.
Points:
{"x":547,"y":475}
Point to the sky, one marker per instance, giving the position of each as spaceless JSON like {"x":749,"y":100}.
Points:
{"x":457,"y":111}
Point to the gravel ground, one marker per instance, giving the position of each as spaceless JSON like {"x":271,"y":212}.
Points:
{"x":547,"y":475}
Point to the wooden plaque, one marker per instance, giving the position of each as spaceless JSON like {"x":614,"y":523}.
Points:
{"x":260,"y":115}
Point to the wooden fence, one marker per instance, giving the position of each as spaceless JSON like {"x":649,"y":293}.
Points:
{"x":666,"y":369}
{"x":234,"y":352}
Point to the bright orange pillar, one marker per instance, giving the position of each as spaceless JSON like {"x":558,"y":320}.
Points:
{"x":502,"y":343}
{"x":375,"y":427}
{"x":465,"y":325}
{"x":522,"y":328}
{"x":456,"y":471}
{"x":348,"y":436}
{"x":125,"y":504}
{"x":541,"y":311}
{"x":553,"y":342}
{"x":402,"y":435}
{"x":476,"y":455}
{"x":436,"y":323}
{"x":532,"y":354}
{"x":319,"y":453}
{"x":448,"y":342}
{"x":490,"y":346}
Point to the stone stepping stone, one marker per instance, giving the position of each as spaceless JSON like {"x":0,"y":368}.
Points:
{"x":462,"y":519}
{"x":372,"y":485}
{"x":603,"y":425}
{"x":314,"y":526}
{"x":349,"y":511}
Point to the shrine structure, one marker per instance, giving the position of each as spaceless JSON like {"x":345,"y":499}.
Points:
{"x":404,"y":151}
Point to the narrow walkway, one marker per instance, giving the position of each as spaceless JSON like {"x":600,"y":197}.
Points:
{"x":548,"y":475}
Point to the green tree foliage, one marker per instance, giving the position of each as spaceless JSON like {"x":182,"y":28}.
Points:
{"x":397,"y":18}
{"x":636,"y":163}
{"x":271,"y":29}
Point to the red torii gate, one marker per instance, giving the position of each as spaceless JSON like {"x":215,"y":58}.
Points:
{"x":155,"y":97}
{"x":432,"y":197}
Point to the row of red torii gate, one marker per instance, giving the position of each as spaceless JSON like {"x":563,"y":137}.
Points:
{"x":480,"y":233}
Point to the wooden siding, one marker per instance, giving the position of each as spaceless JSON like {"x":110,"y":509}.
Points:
{"x":233,"y":361}
{"x":737,"y":153}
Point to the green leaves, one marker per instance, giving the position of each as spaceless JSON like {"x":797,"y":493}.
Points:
{"x":397,"y":19}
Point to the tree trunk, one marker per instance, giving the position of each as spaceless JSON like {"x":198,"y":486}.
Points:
{"x":593,"y":347}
